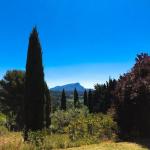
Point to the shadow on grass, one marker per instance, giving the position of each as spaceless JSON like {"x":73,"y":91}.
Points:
{"x":145,"y":143}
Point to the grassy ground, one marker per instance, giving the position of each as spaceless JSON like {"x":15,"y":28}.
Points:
{"x":14,"y":141}
{"x":111,"y":146}
{"x":11,"y":138}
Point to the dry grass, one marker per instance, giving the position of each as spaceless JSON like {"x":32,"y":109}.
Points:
{"x":111,"y":146}
{"x":11,"y":138}
{"x":14,"y":141}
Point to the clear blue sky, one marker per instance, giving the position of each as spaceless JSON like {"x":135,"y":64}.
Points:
{"x":83,"y":41}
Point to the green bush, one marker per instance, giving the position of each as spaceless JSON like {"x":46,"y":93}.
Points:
{"x":37,"y":137}
{"x":77,"y":128}
{"x":42,"y":140}
{"x":3,"y":130}
{"x":61,"y":119}
{"x":56,"y":141}
{"x":80,"y":124}
{"x":74,"y":128}
{"x":94,"y":126}
{"x":3,"y":119}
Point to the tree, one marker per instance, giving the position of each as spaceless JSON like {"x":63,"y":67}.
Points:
{"x":110,"y":93}
{"x":104,"y":96}
{"x":11,"y":96}
{"x":34,"y":86}
{"x":90,"y":101}
{"x":76,"y":98}
{"x":133,"y":99}
{"x":48,"y":106}
{"x":63,"y":100}
{"x":85,"y":98}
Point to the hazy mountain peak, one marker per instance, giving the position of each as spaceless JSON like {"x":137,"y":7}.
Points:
{"x":69,"y":87}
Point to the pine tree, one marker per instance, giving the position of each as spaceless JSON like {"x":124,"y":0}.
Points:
{"x":90,"y":101}
{"x":47,"y":106}
{"x":85,"y":98}
{"x":76,"y":98}
{"x":63,"y":100}
{"x":12,"y":96}
{"x":34,"y":86}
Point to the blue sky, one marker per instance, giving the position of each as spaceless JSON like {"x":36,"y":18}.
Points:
{"x":83,"y":41}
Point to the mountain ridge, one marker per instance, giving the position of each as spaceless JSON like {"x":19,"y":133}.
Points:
{"x":69,"y":87}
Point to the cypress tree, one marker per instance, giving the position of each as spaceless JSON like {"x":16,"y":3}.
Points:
{"x":90,"y":101}
{"x":47,"y":106}
{"x":63,"y":100}
{"x":76,"y":98}
{"x":85,"y":98}
{"x":34,"y":86}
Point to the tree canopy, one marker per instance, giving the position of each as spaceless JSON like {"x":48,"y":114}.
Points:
{"x":133,"y":99}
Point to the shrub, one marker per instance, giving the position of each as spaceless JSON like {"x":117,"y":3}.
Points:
{"x":79,"y":124}
{"x":74,"y":128}
{"x":61,"y":119}
{"x":94,"y":127}
{"x":56,"y":141}
{"x":3,"y":130}
{"x":3,"y":119}
{"x":37,"y":137}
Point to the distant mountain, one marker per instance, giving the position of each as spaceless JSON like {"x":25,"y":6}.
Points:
{"x":69,"y":87}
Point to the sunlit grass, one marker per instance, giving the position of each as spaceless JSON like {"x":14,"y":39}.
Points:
{"x":110,"y":146}
{"x":14,"y":141}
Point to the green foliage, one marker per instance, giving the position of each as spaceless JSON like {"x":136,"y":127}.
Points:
{"x":75,"y":128}
{"x":56,"y":141}
{"x":3,"y":119}
{"x":11,"y":96}
{"x":85,"y":98}
{"x":61,"y":119}
{"x":103,"y":96}
{"x":90,"y":101}
{"x":3,"y":130}
{"x":37,"y":137}
{"x":95,"y":127}
{"x":47,"y":107}
{"x":63,"y":100}
{"x":11,"y":99}
{"x":11,"y":121}
{"x":79,"y":124}
{"x":76,"y":99}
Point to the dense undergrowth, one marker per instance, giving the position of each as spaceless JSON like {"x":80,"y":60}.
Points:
{"x":71,"y":128}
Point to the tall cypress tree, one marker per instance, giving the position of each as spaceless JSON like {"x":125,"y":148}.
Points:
{"x":85,"y":98}
{"x":76,"y":98}
{"x":34,"y":86}
{"x":63,"y":100}
{"x":47,"y":106}
{"x":90,"y":101}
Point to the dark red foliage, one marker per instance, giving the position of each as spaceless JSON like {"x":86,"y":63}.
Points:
{"x":133,"y":99}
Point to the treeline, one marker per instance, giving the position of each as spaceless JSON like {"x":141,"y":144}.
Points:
{"x":26,"y":100}
{"x":98,"y":100}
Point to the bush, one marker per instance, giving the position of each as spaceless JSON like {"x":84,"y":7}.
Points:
{"x":61,"y":119}
{"x":3,"y":130}
{"x":93,"y":127}
{"x":79,"y":124}
{"x":3,"y":119}
{"x":37,"y":137}
{"x":73,"y":128}
{"x":56,"y":141}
